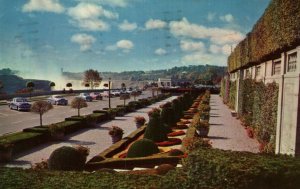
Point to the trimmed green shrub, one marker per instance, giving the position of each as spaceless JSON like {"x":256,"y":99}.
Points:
{"x":37,"y":129}
{"x":24,"y":140}
{"x":177,"y":109}
{"x":142,"y":148}
{"x":155,"y":130}
{"x":167,"y":118}
{"x":66,"y":158}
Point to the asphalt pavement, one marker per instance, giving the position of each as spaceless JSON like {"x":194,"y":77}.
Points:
{"x":14,"y":121}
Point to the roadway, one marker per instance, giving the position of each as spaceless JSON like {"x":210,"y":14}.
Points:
{"x":14,"y":121}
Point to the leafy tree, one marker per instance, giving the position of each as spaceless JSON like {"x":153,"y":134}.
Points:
{"x":123,"y":86}
{"x":124,"y":97}
{"x":41,"y":107}
{"x":30,"y":85}
{"x":51,"y":85}
{"x":135,"y":94}
{"x":69,"y":85}
{"x":78,"y":103}
{"x":92,"y":76}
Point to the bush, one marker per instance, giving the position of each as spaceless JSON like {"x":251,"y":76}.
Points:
{"x":225,"y":169}
{"x":167,"y":118}
{"x":66,"y":159}
{"x":155,"y":130}
{"x":142,"y":148}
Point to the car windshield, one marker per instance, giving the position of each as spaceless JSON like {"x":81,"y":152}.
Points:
{"x":21,"y":100}
{"x":58,"y":96}
{"x":84,"y":94}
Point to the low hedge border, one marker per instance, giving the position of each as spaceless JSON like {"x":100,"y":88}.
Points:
{"x":24,"y":140}
{"x":130,"y":163}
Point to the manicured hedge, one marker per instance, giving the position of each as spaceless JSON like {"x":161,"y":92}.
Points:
{"x":213,"y":168}
{"x":276,"y":31}
{"x":24,"y":140}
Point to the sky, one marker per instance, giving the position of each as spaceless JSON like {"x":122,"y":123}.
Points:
{"x":39,"y":37}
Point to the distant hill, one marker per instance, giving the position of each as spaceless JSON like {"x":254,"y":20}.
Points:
{"x":13,"y":83}
{"x":194,"y":73}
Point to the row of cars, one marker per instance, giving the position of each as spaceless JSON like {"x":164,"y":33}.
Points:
{"x":20,"y":103}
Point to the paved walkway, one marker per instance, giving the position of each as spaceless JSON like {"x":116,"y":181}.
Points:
{"x":226,"y":131}
{"x":97,"y":139}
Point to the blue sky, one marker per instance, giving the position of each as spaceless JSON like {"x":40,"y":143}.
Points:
{"x":39,"y":37}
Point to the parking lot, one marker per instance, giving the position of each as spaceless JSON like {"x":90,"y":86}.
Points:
{"x":13,"y":121}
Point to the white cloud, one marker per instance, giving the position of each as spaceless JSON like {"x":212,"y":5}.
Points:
{"x":92,"y":25}
{"x":113,"y":3}
{"x":90,"y":11}
{"x":216,"y":35}
{"x":215,"y":49}
{"x":191,"y":46}
{"x":155,"y":24}
{"x":227,"y":18}
{"x":125,"y":45}
{"x":160,"y":51}
{"x":126,"y":26}
{"x":198,"y":58}
{"x":87,"y":17}
{"x":211,"y":16}
{"x":85,"y":41}
{"x":225,"y":49}
{"x":43,"y":6}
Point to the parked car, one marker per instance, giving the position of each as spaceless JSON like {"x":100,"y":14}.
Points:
{"x":57,"y":100}
{"x":106,"y":94}
{"x":115,"y":92}
{"x":86,"y":97}
{"x":19,"y":103}
{"x":96,"y":95}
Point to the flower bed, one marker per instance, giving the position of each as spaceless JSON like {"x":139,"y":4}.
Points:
{"x":176,"y":133}
{"x":170,"y":142}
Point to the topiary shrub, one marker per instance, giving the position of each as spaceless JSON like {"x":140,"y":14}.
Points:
{"x":66,"y":158}
{"x":142,"y":148}
{"x":168,"y":120}
{"x":155,"y":130}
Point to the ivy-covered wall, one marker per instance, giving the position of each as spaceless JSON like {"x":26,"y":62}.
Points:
{"x":259,"y":110}
{"x":276,"y":31}
{"x":232,"y":94}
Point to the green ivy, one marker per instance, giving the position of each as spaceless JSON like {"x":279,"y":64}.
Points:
{"x":259,"y":110}
{"x":276,"y":31}
{"x":232,"y":94}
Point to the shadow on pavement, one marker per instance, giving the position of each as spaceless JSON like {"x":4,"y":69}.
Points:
{"x":217,"y":137}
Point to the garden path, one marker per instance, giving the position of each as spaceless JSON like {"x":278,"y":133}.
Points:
{"x":226,"y":132}
{"x":96,"y":139}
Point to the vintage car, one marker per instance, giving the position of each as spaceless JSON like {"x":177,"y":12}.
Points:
{"x":86,"y":97}
{"x":19,"y":103}
{"x":57,"y":100}
{"x":96,"y":95}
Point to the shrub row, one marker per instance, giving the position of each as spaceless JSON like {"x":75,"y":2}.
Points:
{"x":214,"y":168}
{"x":203,"y":168}
{"x":276,"y":31}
